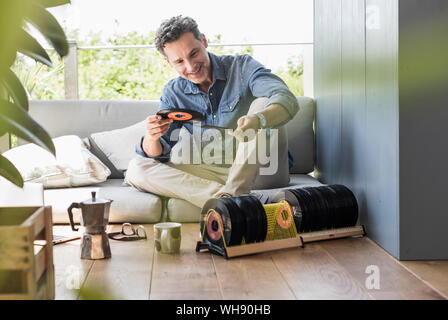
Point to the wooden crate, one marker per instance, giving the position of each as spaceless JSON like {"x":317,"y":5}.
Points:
{"x":26,"y":253}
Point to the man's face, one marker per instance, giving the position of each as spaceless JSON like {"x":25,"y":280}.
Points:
{"x":189,"y":57}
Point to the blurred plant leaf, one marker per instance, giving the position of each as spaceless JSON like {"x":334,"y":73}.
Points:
{"x":95,"y":292}
{"x":17,"y":121}
{"x":8,"y":171}
{"x":15,"y":89}
{"x":14,"y":118}
{"x":12,"y":13}
{"x":31,"y":48}
{"x":49,"y":27}
{"x":52,"y":3}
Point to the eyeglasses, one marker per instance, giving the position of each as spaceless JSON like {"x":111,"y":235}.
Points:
{"x":128,"y":233}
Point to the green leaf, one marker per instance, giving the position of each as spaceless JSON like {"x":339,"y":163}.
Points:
{"x":11,"y":18}
{"x":49,"y":27}
{"x":31,"y":48}
{"x":10,"y":172}
{"x":15,"y":89}
{"x":18,"y":122}
{"x":52,"y":3}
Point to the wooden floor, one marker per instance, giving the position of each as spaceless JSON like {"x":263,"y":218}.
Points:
{"x":333,"y":269}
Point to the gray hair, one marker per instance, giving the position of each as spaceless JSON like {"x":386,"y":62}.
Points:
{"x":171,"y":29}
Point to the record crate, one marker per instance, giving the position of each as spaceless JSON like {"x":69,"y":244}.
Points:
{"x":26,"y":253}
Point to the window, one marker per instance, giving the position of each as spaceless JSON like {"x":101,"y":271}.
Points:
{"x":116,"y":59}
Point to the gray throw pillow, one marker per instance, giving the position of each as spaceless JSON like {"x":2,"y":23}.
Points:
{"x":118,"y":145}
{"x":115,"y":173}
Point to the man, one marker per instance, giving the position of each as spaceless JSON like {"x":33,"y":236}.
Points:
{"x":223,"y":88}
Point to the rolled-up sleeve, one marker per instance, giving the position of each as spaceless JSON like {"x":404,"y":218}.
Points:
{"x":263,"y":83}
{"x":166,"y":151}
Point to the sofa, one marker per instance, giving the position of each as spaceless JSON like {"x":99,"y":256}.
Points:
{"x":122,"y":122}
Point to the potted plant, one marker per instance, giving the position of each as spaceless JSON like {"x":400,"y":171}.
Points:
{"x":34,"y":264}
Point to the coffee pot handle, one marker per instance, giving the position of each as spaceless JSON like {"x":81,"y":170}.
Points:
{"x":70,"y":215}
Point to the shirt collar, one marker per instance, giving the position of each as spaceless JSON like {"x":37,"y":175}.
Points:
{"x":218,"y":74}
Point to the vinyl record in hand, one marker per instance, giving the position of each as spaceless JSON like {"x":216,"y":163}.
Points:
{"x":182,"y":115}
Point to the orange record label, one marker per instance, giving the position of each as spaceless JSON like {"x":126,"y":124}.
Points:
{"x":284,"y":217}
{"x":183,"y":116}
{"x":214,"y":224}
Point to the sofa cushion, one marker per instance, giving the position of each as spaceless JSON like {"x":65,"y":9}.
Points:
{"x":31,"y":195}
{"x":119,"y":145}
{"x":281,"y":176}
{"x":296,"y":181}
{"x":179,"y":210}
{"x":129,"y":204}
{"x":301,"y":137}
{"x":84,"y":117}
{"x":74,"y":165}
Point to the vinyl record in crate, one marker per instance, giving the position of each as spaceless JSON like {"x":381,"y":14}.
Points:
{"x":351,"y":205}
{"x":329,"y":196}
{"x":262,"y":219}
{"x":305,"y":203}
{"x":220,"y":217}
{"x":322,"y":207}
{"x":290,"y":197}
{"x":250,"y":213}
{"x":182,"y":115}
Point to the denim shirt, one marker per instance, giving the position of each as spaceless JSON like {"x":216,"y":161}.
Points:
{"x":236,"y":82}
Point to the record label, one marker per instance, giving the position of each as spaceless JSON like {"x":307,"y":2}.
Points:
{"x":214,"y":225}
{"x":284,"y":216}
{"x":181,"y":115}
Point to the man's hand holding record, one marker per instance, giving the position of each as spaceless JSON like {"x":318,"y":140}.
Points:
{"x":157,"y":126}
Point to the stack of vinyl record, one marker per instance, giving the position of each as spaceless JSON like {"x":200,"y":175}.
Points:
{"x":321,"y":208}
{"x":234,"y":220}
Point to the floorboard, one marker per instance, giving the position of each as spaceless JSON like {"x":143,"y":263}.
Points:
{"x":251,"y":277}
{"x":395,"y":282}
{"x":313,"y":274}
{"x":434,"y":273}
{"x":187,"y":275}
{"x":127,"y":274}
{"x":70,"y":271}
{"x":334,"y":269}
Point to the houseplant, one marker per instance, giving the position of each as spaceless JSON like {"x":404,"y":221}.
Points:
{"x":15,"y":17}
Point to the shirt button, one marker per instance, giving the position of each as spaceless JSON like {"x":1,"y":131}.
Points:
{"x":214,"y":116}
{"x":211,"y":93}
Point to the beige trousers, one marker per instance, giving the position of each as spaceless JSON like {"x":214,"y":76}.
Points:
{"x":198,"y":183}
